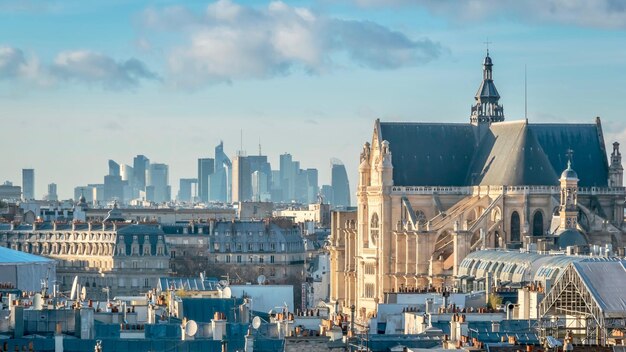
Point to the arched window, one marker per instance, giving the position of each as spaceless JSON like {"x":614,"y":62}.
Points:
{"x":374,"y":230}
{"x":538,"y":223}
{"x":515,"y":227}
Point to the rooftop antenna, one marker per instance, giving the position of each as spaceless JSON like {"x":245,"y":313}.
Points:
{"x":260,"y":146}
{"x":525,"y":94}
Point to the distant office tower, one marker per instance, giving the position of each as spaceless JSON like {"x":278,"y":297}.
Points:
{"x":206,"y":166}
{"x":157,"y":183}
{"x":97,"y":192}
{"x":275,"y":187}
{"x":187,"y":189}
{"x":312,"y":185}
{"x":288,"y":174}
{"x":127,"y":173}
{"x":260,"y":192}
{"x":52,"y":192}
{"x":114,"y":168}
{"x":327,"y":194}
{"x":140,"y":167}
{"x":341,"y":187}
{"x":242,"y":179}
{"x":220,"y":180}
{"x":113,"y":188}
{"x":28,"y":184}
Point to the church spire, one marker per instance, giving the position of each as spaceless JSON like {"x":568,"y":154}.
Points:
{"x":487,"y":108}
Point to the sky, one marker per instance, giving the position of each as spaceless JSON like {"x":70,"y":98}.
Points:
{"x":82,"y":82}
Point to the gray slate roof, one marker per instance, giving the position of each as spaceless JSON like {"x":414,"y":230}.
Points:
{"x":606,"y":281}
{"x":510,"y":153}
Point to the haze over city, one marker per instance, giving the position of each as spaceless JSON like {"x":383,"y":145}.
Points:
{"x":83,"y":83}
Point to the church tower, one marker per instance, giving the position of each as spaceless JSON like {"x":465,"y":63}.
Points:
{"x":487,"y":108}
{"x":616,"y":171}
{"x":569,"y":193}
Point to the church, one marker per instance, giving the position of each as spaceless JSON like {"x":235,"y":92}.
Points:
{"x":429,"y":193}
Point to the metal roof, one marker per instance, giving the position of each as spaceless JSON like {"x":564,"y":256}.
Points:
{"x":606,"y":281}
{"x":10,"y":256}
{"x":510,"y":153}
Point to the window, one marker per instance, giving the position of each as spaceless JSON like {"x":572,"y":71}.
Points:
{"x":369,"y":269}
{"x":228,"y":259}
{"x":261,"y":259}
{"x":135,"y":264}
{"x":515,"y":227}
{"x":238,"y":259}
{"x":538,"y":223}
{"x":250,"y":247}
{"x":261,"y":247}
{"x":374,"y":229}
{"x":368,"y":292}
{"x":146,"y":282}
{"x":238,"y":247}
{"x":272,"y":247}
{"x":272,"y":259}
{"x":227,"y":247}
{"x":216,"y":247}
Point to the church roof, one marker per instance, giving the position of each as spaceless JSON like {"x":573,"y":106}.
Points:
{"x":510,"y":153}
{"x":433,"y":154}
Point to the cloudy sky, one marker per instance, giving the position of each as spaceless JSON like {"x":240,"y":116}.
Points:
{"x":83,"y":82}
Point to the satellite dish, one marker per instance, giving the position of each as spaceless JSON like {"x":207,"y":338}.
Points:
{"x":191,"y":328}
{"x":261,"y":279}
{"x":83,"y":293}
{"x":227,"y":293}
{"x":256,"y":323}
{"x":74,"y":288}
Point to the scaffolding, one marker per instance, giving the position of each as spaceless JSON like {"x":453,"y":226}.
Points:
{"x":587,"y":302}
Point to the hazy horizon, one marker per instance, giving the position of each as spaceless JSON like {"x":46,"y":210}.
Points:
{"x":84,"y":83}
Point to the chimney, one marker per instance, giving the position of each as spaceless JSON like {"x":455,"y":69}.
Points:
{"x":218,"y":324}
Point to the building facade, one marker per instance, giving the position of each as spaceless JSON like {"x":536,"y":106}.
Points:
{"x":126,"y":259}
{"x":430,"y":193}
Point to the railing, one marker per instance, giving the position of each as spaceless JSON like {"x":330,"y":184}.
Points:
{"x":467,"y":190}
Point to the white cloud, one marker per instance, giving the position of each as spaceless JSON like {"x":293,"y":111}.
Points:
{"x":588,"y":13}
{"x":12,"y":63}
{"x":80,"y":66}
{"x":95,"y":68}
{"x":229,"y":41}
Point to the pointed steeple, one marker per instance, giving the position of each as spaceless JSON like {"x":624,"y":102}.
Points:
{"x":487,"y":108}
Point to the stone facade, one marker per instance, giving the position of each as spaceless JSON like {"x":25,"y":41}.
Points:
{"x":128,"y":259}
{"x":418,"y":217}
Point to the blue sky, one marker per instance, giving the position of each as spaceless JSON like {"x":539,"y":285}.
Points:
{"x":83,"y":82}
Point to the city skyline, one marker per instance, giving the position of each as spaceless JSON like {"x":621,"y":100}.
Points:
{"x":124,"y":95}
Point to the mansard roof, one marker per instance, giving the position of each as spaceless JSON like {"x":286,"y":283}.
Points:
{"x":509,"y":153}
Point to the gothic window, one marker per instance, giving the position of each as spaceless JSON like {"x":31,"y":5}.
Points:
{"x":538,"y":223}
{"x":420,"y":217}
{"x":368,"y":291}
{"x":374,"y":230}
{"x":515,"y":227}
{"x":369,"y":269}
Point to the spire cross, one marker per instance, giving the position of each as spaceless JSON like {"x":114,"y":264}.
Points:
{"x":570,"y":155}
{"x":487,"y":44}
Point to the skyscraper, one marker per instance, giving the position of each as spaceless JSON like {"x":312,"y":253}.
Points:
{"x":113,"y":186}
{"x":242,"y":179}
{"x":140,"y":166}
{"x":186,"y":189}
{"x":288,"y":171}
{"x":28,"y":184}
{"x":157,"y":183}
{"x":114,"y":168}
{"x":340,"y":185}
{"x":220,"y":180}
{"x":206,"y":167}
{"x":52,"y":192}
